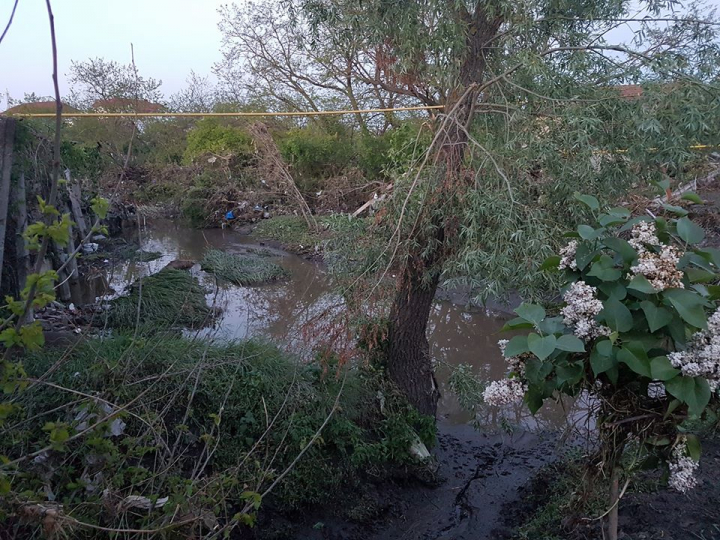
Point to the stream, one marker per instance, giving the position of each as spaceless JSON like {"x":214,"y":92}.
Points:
{"x":483,"y":465}
{"x":458,"y":334}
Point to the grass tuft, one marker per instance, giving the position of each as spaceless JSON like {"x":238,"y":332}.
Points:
{"x":241,"y":269}
{"x":169,"y":298}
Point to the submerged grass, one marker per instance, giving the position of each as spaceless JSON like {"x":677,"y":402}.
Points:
{"x":293,"y":232}
{"x":199,"y":425}
{"x":241,"y":269}
{"x":169,"y":298}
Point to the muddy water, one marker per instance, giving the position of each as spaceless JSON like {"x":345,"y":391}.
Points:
{"x":279,"y":311}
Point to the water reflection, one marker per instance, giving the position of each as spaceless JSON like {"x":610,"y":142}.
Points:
{"x":281,"y":310}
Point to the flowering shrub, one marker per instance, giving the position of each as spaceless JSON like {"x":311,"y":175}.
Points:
{"x":639,"y":332}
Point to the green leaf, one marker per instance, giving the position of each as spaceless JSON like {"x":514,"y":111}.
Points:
{"x":589,"y":200}
{"x":620,"y":246}
{"x":697,"y":275}
{"x":636,"y":361}
{"x":515,"y":324}
{"x":661,"y":369}
{"x":534,"y":398}
{"x":710,"y":254}
{"x":640,"y":283}
{"x":693,"y":391}
{"x":603,"y":273}
{"x":516,"y":346}
{"x":551,"y":325}
{"x":551,"y":263}
{"x":657,"y":317}
{"x":689,"y":306}
{"x":616,"y":315}
{"x":531,"y":312}
{"x":692,"y":197}
{"x":602,"y":358}
{"x":584,"y":255}
{"x":677,"y":210}
{"x":570,"y":343}
{"x":689,"y":231}
{"x":589,"y":233}
{"x":536,"y":371}
{"x":570,"y":374}
{"x":693,"y":446}
{"x":542,"y":347}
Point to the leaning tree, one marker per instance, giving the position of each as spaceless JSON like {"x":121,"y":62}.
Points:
{"x":535,"y":105}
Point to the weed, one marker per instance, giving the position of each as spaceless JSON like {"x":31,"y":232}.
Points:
{"x":241,"y":269}
{"x":169,"y":298}
{"x":205,"y":425}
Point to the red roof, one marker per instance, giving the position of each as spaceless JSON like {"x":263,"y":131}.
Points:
{"x":630,"y":91}
{"x":39,"y":107}
{"x":128,"y":105}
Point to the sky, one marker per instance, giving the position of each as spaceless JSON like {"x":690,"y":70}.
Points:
{"x":170,"y":38}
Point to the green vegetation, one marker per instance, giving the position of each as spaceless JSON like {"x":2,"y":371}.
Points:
{"x":639,"y":334}
{"x":196,"y":429}
{"x":241,"y":269}
{"x":294,"y":235}
{"x":210,"y":138}
{"x":169,"y":298}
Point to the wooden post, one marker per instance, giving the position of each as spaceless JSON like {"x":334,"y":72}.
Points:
{"x":7,"y":139}
{"x":18,"y":198}
{"x":76,"y":204}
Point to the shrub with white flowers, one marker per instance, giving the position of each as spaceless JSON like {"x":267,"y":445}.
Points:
{"x":639,"y":332}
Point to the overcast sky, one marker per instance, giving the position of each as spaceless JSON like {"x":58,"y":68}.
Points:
{"x":171,"y":37}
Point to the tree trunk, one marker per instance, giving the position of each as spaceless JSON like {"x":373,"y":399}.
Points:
{"x":409,"y":362}
{"x":7,"y":139}
{"x":410,"y":365}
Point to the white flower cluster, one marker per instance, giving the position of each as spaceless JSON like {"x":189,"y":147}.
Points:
{"x":567,"y":256}
{"x":504,"y":392}
{"x":581,"y":309}
{"x":515,"y":363}
{"x":702,"y":357}
{"x":660,"y":269}
{"x":682,"y":469}
{"x":643,"y":233}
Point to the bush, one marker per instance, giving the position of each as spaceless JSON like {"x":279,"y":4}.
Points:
{"x":181,"y":427}
{"x":315,"y":154}
{"x":210,"y":136}
{"x":639,"y":333}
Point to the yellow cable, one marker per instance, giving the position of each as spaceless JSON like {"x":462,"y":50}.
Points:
{"x":201,"y":114}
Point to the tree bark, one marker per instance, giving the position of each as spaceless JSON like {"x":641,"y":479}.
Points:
{"x":409,"y":362}
{"x":7,"y":139}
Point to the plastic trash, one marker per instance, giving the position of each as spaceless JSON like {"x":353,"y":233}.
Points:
{"x":230,"y":215}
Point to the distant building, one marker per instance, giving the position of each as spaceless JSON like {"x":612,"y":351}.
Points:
{"x":127,"y":105}
{"x":39,"y":107}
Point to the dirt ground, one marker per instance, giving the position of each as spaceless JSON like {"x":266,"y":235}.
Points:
{"x":477,"y":475}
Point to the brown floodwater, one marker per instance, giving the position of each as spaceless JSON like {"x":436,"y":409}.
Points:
{"x":280,"y":312}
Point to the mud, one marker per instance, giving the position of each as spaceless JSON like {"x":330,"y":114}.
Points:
{"x":477,"y":475}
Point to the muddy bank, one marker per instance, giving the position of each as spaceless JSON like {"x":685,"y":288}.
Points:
{"x":477,"y":474}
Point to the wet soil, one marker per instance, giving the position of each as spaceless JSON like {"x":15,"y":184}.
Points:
{"x":477,"y":475}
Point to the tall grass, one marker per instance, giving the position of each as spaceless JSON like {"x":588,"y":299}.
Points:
{"x":241,"y":269}
{"x":169,"y":298}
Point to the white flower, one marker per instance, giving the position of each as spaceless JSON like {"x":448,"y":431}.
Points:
{"x":702,"y":356}
{"x":660,"y":269}
{"x":643,"y":233}
{"x":567,"y":256}
{"x":516,"y":363}
{"x":504,"y":392}
{"x":581,"y":309}
{"x":682,"y":469}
